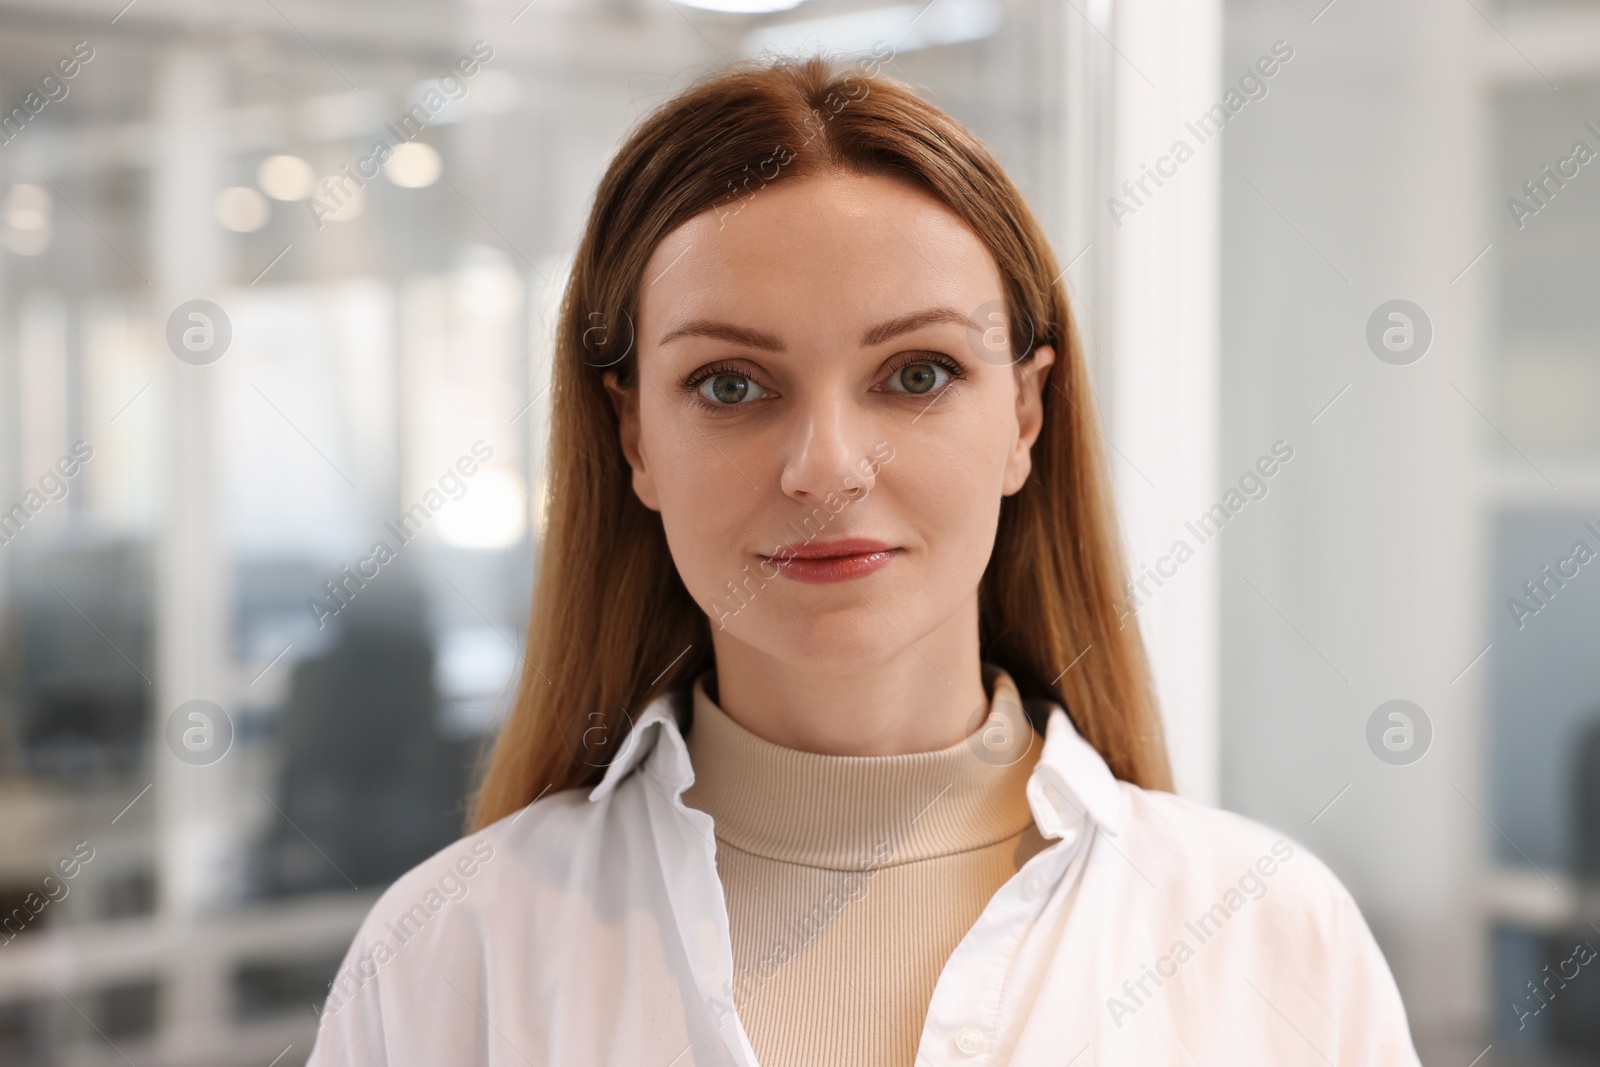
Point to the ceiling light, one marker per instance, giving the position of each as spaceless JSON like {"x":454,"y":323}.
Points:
{"x":413,"y":165}
{"x":285,"y":177}
{"x":900,"y":28}
{"x":241,"y":209}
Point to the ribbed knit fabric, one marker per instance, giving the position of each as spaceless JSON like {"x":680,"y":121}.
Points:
{"x":850,"y":879}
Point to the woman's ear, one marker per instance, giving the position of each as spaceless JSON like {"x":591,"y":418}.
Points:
{"x":626,"y":404}
{"x":1033,"y":378}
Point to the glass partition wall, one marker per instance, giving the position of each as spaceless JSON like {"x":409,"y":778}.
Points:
{"x":1543,"y":510}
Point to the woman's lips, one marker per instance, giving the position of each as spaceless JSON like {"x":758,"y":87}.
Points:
{"x":839,"y":561}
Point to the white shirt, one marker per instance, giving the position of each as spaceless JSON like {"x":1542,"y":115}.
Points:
{"x":591,"y":929}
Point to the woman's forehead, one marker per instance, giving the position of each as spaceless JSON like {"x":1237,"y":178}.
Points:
{"x":853,"y":248}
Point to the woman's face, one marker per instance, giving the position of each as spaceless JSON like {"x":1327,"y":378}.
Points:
{"x":828,"y":365}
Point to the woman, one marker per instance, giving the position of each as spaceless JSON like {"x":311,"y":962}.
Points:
{"x":833,"y":746}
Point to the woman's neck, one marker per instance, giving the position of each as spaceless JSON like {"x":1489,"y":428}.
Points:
{"x":921,"y":698}
{"x":849,"y":812}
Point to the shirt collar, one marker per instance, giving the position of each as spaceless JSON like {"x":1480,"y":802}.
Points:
{"x":1070,"y":783}
{"x":659,"y":716}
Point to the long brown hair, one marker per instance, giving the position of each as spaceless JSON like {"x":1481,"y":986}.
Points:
{"x":612,"y":625}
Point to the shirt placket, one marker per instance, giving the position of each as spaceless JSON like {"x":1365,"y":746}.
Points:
{"x":686,"y":846}
{"x":969,"y":1021}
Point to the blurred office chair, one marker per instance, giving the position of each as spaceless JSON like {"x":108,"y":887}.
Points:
{"x":1586,"y":806}
{"x":368,"y":787}
{"x":77,"y":658}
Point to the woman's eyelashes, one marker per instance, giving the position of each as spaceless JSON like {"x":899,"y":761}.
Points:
{"x":923,"y":373}
{"x":724,"y":386}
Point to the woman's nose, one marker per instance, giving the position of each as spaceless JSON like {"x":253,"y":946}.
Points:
{"x":827,"y":450}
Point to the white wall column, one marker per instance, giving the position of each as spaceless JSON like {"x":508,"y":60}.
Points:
{"x":1160,"y":353}
{"x":192,"y":618}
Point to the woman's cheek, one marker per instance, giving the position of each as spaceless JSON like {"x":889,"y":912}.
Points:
{"x":706,"y":526}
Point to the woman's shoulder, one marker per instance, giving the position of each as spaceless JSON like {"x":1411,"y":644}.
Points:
{"x":486,"y":857}
{"x":1217,"y":856}
{"x":1236,"y":920}
{"x":546,"y":895}
{"x":476,"y":887}
{"x":1246,"y":898}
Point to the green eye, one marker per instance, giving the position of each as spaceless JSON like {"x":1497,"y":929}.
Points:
{"x":730,"y":389}
{"x":919,"y":378}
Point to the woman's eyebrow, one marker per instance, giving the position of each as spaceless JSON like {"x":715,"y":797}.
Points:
{"x":877,"y":335}
{"x":915,"y":321}
{"x":724,"y":331}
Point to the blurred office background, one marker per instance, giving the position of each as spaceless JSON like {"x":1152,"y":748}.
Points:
{"x":228,"y":371}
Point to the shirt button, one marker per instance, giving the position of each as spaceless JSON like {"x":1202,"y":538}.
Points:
{"x":1032,"y":884}
{"x":969,"y":1039}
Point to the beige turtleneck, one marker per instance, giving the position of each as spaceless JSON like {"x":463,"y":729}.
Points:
{"x":850,"y":879}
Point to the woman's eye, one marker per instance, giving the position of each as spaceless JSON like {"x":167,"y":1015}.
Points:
{"x":918,"y":378}
{"x":730,"y":389}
